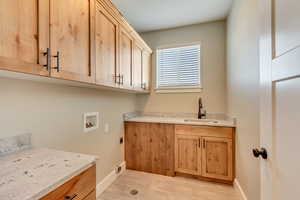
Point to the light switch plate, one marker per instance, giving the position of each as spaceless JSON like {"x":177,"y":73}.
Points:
{"x":90,"y":121}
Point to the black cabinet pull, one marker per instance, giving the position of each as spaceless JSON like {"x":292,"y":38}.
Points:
{"x":199,"y":143}
{"x":48,"y":62}
{"x":203,"y":143}
{"x":71,"y":197}
{"x":57,"y":61}
{"x":122,"y":78}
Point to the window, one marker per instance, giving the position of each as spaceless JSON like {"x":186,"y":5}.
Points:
{"x":178,"y":69}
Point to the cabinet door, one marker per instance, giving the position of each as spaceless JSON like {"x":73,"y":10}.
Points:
{"x":188,"y":154}
{"x":149,"y":147}
{"x":125,"y":70}
{"x":24,"y":28}
{"x":138,"y":147}
{"x":71,"y":29}
{"x":137,"y":66}
{"x":106,"y":47}
{"x":146,"y":70}
{"x":162,"y":148}
{"x":217,"y":161}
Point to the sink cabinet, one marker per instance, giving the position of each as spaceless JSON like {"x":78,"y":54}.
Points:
{"x":202,"y":152}
{"x":210,"y":155}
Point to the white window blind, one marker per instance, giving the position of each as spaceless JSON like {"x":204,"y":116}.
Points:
{"x":178,"y":67}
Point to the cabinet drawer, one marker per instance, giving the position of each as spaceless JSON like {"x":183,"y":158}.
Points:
{"x":205,"y":131}
{"x":81,"y":186}
{"x":91,"y":196}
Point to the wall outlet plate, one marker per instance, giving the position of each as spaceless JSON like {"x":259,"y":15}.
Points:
{"x":90,"y":121}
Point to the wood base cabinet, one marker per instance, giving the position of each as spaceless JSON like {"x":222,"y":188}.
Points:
{"x":207,"y":152}
{"x":203,"y":152}
{"x":81,"y":187}
{"x":149,"y":147}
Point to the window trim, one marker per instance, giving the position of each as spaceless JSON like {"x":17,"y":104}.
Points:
{"x":178,"y":89}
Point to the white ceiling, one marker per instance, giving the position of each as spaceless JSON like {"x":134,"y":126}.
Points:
{"x":149,"y":15}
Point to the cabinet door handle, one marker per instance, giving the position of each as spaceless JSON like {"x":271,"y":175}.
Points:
{"x":122,"y":78}
{"x":203,"y":143}
{"x":71,"y":197}
{"x":57,"y":61}
{"x":199,"y":143}
{"x":48,"y":63}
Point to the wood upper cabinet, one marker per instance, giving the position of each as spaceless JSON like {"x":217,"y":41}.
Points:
{"x":106,"y":47}
{"x":72,"y":39}
{"x":137,"y":66}
{"x":217,"y":158}
{"x":146,"y":70}
{"x":126,"y":56}
{"x":188,"y":154}
{"x":24,"y":36}
{"x":79,"y":40}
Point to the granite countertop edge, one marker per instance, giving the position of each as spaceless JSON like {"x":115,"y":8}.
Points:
{"x":180,"y":121}
{"x":49,"y":182}
{"x":59,"y":183}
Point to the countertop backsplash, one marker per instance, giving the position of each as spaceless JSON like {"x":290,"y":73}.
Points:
{"x":216,"y":116}
{"x":15,"y":144}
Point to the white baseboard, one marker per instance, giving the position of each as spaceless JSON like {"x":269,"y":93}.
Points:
{"x":108,"y":180}
{"x":238,"y":187}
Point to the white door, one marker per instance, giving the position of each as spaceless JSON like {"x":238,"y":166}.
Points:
{"x":280,"y":99}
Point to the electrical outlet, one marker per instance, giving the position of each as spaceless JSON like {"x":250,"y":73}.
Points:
{"x":121,"y":140}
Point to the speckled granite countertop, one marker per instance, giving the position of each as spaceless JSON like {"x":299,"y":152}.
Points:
{"x":33,"y":173}
{"x":185,"y":119}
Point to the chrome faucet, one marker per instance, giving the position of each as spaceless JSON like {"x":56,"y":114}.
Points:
{"x":201,"y":112}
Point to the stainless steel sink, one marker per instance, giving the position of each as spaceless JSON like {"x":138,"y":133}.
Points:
{"x":201,"y":120}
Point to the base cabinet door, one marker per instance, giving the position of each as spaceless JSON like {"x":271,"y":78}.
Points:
{"x":24,"y":28}
{"x":106,"y":47}
{"x":217,"y":160}
{"x":71,"y":39}
{"x":188,"y":154}
{"x":149,"y":147}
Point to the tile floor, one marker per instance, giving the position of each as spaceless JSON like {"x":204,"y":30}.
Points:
{"x":156,"y":187}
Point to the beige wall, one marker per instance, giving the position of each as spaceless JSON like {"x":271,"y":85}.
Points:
{"x":243,"y":90}
{"x":212,"y":37}
{"x":54,"y":113}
